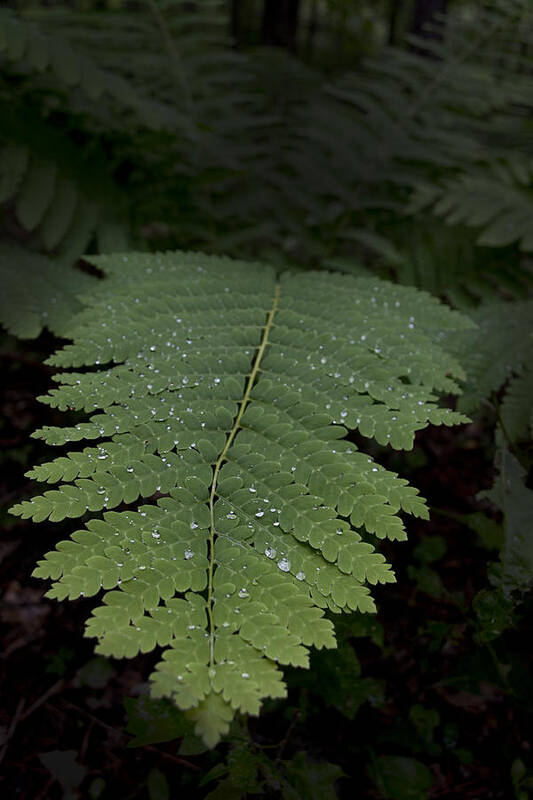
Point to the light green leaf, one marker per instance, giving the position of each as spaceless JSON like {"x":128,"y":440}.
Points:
{"x":225,"y":394}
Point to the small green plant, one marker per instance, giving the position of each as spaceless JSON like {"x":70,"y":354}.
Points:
{"x":225,"y":396}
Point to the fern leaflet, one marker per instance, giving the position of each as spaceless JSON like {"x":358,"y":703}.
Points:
{"x":38,"y":292}
{"x":515,"y":500}
{"x":499,"y":349}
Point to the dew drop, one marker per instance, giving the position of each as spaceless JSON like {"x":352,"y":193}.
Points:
{"x":188,"y":554}
{"x":284,"y":565}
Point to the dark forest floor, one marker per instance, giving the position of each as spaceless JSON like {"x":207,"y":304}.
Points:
{"x":476,"y":699}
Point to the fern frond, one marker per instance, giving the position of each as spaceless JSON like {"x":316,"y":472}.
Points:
{"x":225,"y":394}
{"x":321,"y":152}
{"x":62,"y":199}
{"x":38,"y":292}
{"x":442,"y":260}
{"x":58,"y":192}
{"x":515,"y":501}
{"x":29,"y":50}
{"x":502,"y":211}
{"x":499,"y":349}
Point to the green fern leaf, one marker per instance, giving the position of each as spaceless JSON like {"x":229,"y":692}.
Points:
{"x":225,"y":395}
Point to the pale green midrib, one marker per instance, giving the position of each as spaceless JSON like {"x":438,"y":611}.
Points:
{"x":231,"y":436}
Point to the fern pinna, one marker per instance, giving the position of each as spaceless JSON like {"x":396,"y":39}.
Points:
{"x":226,"y":395}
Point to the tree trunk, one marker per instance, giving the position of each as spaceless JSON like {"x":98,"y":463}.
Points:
{"x":424,"y":13}
{"x":280,"y":23}
{"x":235,"y":23}
{"x":311,"y":31}
{"x":394,"y":12}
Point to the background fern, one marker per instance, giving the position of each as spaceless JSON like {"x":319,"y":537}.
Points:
{"x":36,"y":292}
{"x":256,"y":153}
{"x":500,"y":352}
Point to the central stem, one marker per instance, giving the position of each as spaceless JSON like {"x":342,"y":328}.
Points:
{"x":231,"y":436}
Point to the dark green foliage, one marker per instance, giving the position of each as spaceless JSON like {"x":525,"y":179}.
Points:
{"x":501,"y":349}
{"x":38,"y":292}
{"x":257,"y":153}
{"x":501,"y":366}
{"x":400,"y":778}
{"x":515,"y":501}
{"x":151,"y":721}
{"x":64,"y":766}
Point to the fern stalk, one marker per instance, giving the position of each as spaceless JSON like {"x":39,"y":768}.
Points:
{"x":235,"y":429}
